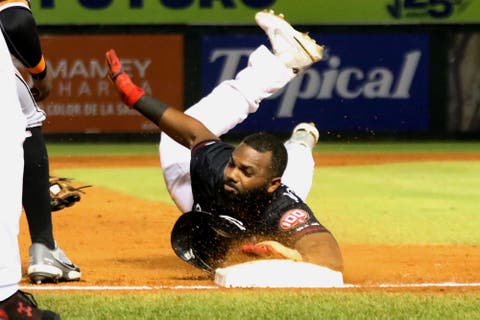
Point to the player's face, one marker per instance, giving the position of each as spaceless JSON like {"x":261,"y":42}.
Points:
{"x":249,"y":171}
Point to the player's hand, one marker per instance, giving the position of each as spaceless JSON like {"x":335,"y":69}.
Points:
{"x":271,"y":249}
{"x":129,"y":92}
{"x":41,"y":87}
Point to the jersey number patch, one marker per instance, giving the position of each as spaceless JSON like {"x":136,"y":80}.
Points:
{"x":292,"y":218}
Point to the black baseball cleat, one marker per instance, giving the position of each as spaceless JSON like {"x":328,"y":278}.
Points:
{"x":22,"y":306}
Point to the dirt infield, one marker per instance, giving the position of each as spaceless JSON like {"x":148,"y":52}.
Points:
{"x":120,"y":240}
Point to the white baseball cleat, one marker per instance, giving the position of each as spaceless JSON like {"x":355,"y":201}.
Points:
{"x":297,"y":50}
{"x":306,"y":134}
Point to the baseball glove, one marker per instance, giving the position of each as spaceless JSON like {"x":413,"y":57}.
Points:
{"x":63,"y":194}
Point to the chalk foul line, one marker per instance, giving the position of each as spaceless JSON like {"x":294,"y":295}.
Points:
{"x":60,"y":287}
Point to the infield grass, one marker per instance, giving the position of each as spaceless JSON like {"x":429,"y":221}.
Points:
{"x":400,"y":203}
{"x":264,"y":304}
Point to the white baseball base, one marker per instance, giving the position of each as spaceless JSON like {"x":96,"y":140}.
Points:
{"x":277,"y":274}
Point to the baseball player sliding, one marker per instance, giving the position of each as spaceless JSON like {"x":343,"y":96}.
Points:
{"x":247,"y":196}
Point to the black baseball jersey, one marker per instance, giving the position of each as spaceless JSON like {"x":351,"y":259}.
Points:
{"x":284,"y":217}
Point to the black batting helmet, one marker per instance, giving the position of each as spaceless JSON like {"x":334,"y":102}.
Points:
{"x":202,"y":238}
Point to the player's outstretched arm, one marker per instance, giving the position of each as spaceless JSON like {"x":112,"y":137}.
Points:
{"x":180,"y":127}
{"x":322,"y":249}
{"x":317,"y":248}
{"x":272,"y":249}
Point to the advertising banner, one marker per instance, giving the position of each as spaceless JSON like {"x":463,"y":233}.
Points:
{"x":367,"y":82}
{"x":464,"y":82}
{"x":214,"y":12}
{"x":83,"y":100}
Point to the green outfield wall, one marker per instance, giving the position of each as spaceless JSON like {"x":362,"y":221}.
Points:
{"x":214,"y":12}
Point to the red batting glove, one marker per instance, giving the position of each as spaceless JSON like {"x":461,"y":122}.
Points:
{"x":260,"y":251}
{"x":271,"y":249}
{"x":129,"y":92}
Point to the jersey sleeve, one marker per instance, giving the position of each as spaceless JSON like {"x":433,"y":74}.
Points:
{"x":292,"y":218}
{"x":298,"y":222}
{"x":210,"y":154}
{"x":21,"y":34}
{"x":206,"y":165}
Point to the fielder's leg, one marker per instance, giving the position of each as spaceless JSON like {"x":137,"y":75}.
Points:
{"x":36,"y":194}
{"x":47,"y":260}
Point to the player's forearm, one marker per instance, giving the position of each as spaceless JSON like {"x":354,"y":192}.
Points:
{"x":177,"y":125}
{"x":41,"y":87}
{"x":321,"y":249}
{"x":184,"y":129}
{"x":180,"y":127}
{"x":150,"y":108}
{"x":272,"y":249}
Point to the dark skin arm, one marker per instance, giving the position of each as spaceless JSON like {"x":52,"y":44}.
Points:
{"x":182,"y":128}
{"x":317,"y":248}
{"x":321,"y":249}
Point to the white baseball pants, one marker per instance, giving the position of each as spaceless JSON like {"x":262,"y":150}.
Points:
{"x":12,"y":134}
{"x":225,"y":107}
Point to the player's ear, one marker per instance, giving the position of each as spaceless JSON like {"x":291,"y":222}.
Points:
{"x":274,"y":184}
